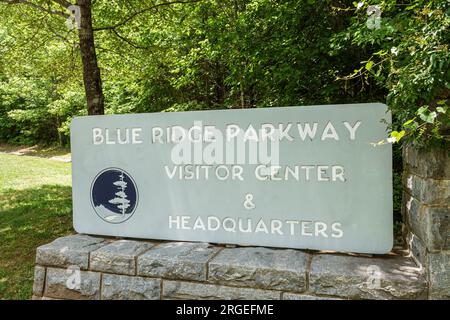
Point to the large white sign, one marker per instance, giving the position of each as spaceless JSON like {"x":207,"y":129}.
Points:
{"x":299,"y":177}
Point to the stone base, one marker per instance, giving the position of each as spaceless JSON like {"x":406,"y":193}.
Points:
{"x":426,"y":214}
{"x":86,"y":267}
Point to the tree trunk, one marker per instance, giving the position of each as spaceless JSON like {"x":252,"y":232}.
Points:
{"x":91,"y":71}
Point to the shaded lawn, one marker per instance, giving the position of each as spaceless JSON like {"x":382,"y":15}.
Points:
{"x":35,"y":208}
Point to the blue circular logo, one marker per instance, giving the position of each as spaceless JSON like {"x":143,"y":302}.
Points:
{"x":114,"y":195}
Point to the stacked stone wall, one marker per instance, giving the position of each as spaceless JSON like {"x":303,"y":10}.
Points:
{"x":86,"y":267}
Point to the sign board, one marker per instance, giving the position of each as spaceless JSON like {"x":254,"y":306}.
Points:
{"x":296,"y":177}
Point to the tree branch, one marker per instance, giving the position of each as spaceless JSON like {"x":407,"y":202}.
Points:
{"x":129,"y":42}
{"x":135,"y":14}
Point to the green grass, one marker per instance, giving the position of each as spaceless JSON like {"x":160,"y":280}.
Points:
{"x":35,"y":208}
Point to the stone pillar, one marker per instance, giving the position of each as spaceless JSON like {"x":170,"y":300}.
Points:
{"x":426,"y":212}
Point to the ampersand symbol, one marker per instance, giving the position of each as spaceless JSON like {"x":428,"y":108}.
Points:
{"x":73,"y":20}
{"x":374,"y":277}
{"x":374,"y":20}
{"x":73,"y":281}
{"x":248,"y":203}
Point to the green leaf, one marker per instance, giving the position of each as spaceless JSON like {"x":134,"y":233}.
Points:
{"x":397,"y":135}
{"x":369,"y":65}
{"x":421,"y":110}
{"x":431,"y":116}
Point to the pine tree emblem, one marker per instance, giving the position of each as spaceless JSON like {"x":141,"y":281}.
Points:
{"x":121,"y":197}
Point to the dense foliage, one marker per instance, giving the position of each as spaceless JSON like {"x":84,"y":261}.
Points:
{"x":229,"y":54}
{"x":408,"y":54}
{"x":204,"y":55}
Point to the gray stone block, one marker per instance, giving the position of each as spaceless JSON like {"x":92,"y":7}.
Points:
{"x":39,"y":280}
{"x":428,"y":191}
{"x":118,"y":256}
{"x":417,"y":249}
{"x":439,"y":274}
{"x":417,"y":221}
{"x":407,"y":202}
{"x":260,"y":268}
{"x":390,"y":277}
{"x":176,"y":260}
{"x":200,"y":291}
{"x":434,"y":163}
{"x":430,"y":224}
{"x":68,"y":251}
{"x":439,"y":235}
{"x":296,"y":296}
{"x":117,"y":287}
{"x":68,"y":284}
